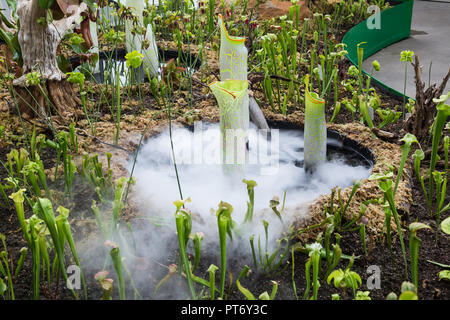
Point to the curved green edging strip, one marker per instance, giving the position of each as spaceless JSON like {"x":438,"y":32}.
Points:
{"x":395,"y":26}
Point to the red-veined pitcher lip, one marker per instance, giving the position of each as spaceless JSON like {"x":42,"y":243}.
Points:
{"x":227,"y":91}
{"x":232,"y":93}
{"x":232,"y":39}
{"x":314,"y":100}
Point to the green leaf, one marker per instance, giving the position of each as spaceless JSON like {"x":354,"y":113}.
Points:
{"x":419,"y":154}
{"x":408,"y":295}
{"x":180,"y":203}
{"x":381,"y":176}
{"x":243,"y":290}
{"x":409,"y":139}
{"x":391,"y":296}
{"x":356,"y":277}
{"x":337,"y":275}
{"x":447,"y":266}
{"x":264,"y":296}
{"x":134,"y":59}
{"x":442,"y":98}
{"x":416,"y":226}
{"x":250,"y":183}
{"x":91,"y":5}
{"x":45,"y":4}
{"x":2,"y":287}
{"x":408,"y":286}
{"x":445,"y":225}
{"x":444,"y":275}
{"x":63,"y":63}
{"x":406,"y":56}
{"x":365,"y":111}
{"x":362,"y":295}
{"x":76,"y":77}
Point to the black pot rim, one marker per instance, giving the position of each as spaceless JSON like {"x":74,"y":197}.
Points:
{"x":345,"y":143}
{"x":166,"y":54}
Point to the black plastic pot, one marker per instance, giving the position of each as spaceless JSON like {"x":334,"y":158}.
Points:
{"x":355,"y":153}
{"x":186,"y":60}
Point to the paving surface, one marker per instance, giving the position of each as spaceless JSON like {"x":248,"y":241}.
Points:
{"x":430,"y":39}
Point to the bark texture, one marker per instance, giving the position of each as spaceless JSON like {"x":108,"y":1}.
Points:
{"x":53,"y":98}
{"x":420,"y":121}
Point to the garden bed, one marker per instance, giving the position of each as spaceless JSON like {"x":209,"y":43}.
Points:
{"x":107,"y":131}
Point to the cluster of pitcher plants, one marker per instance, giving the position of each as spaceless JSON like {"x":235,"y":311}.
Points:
{"x":300,"y":66}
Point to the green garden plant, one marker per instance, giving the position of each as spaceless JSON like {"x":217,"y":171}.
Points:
{"x":116,"y":258}
{"x":407,"y":140}
{"x":248,"y":295}
{"x":101,"y":180}
{"x":385,"y":184}
{"x":43,"y":209}
{"x":172,"y":271}
{"x":406,"y":56}
{"x":315,"y":135}
{"x":251,"y":196}
{"x":362,"y":295}
{"x":23,"y":254}
{"x":314,"y":260}
{"x":107,"y":284}
{"x":35,"y":251}
{"x":269,"y":262}
{"x":197,"y":239}
{"x":414,"y":243}
{"x":440,"y":178}
{"x":418,"y":156}
{"x":338,"y":210}
{"x":5,"y":270}
{"x":346,"y":278}
{"x":273,"y":204}
{"x":231,"y":96}
{"x":225,"y":225}
{"x":212,"y":280}
{"x":184,"y":226}
{"x":408,"y":292}
{"x":63,"y":227}
{"x":79,"y":78}
{"x":443,"y":111}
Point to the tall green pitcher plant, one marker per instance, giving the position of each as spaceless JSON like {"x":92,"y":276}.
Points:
{"x":233,"y":66}
{"x":230,"y":95}
{"x":315,"y":132}
{"x":232,"y":56}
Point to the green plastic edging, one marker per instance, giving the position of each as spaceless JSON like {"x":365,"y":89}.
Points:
{"x":395,"y":25}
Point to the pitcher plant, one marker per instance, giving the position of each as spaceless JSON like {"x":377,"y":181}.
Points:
{"x":315,"y":129}
{"x":233,"y":61}
{"x":230,"y":95}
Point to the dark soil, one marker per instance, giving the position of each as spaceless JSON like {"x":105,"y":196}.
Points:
{"x":392,"y":274}
{"x":430,"y":288}
{"x":10,"y":227}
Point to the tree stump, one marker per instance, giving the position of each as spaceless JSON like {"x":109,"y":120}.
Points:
{"x":39,"y":44}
